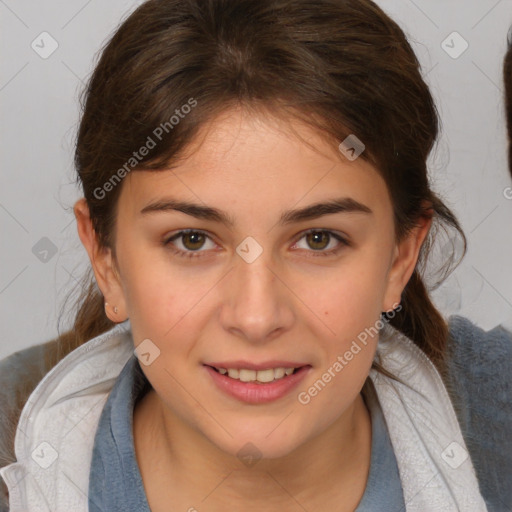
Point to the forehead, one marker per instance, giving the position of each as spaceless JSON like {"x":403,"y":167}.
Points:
{"x":239,"y":158}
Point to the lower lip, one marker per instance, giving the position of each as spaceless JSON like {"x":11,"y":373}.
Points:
{"x":254,"y":393}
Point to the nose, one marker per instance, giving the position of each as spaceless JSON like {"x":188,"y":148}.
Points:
{"x":256,"y":305}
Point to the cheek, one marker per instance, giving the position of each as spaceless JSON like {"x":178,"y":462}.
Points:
{"x":158,"y":293}
{"x":336,"y":384}
{"x":349,"y":298}
{"x":350,"y":307}
{"x":343,"y":362}
{"x":171,"y":308}
{"x":166,"y":309}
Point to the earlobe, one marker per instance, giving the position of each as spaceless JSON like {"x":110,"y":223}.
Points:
{"x":101,"y":262}
{"x":404,"y":263}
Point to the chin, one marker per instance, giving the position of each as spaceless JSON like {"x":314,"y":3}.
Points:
{"x":251,"y":448}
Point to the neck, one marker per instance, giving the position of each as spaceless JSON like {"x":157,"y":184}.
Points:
{"x":333,"y":467}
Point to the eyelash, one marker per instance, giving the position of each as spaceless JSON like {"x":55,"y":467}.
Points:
{"x":195,"y":254}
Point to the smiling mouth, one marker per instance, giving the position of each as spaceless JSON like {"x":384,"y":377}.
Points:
{"x":257,"y":376}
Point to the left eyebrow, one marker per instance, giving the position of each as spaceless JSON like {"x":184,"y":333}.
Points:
{"x":314,"y":211}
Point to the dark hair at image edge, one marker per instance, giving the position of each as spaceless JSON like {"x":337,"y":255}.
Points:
{"x":343,"y":67}
{"x":507,"y":80}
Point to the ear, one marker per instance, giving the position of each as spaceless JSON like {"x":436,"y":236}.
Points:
{"x":405,"y":259}
{"x":102,"y":263}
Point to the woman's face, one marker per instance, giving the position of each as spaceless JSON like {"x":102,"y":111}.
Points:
{"x":250,"y":286}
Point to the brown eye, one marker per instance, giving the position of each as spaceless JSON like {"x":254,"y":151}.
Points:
{"x":318,"y":240}
{"x":193,"y":240}
{"x":191,"y":243}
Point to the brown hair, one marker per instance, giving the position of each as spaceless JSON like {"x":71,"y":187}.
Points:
{"x":507,"y":80}
{"x":342,"y":66}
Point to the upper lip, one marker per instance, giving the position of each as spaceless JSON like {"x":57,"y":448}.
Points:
{"x":256,"y":366}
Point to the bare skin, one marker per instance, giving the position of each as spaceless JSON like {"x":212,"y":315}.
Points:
{"x":290,"y":303}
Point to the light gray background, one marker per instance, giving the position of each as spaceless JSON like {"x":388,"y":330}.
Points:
{"x":40,"y":113}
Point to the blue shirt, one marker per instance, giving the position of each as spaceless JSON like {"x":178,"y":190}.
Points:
{"x":115,"y":483}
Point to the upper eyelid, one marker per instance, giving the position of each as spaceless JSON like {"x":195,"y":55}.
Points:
{"x":183,"y":232}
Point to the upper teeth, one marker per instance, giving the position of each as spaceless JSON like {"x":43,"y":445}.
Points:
{"x":253,"y":375}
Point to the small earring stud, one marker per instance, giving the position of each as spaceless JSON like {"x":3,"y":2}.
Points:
{"x":115,"y":308}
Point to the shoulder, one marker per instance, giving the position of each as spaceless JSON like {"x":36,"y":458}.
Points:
{"x":22,"y":368}
{"x":479,"y":381}
{"x":20,"y":358}
{"x":479,"y":365}
{"x":472,"y":343}
{"x":20,"y":373}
